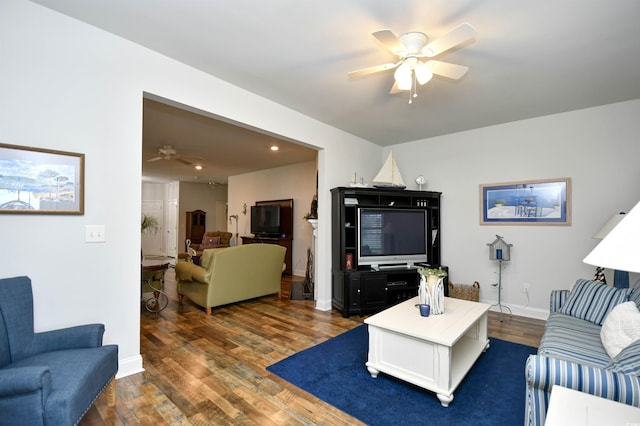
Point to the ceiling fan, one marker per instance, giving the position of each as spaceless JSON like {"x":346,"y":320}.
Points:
{"x":213,"y":184}
{"x":167,"y":152}
{"x":414,"y":52}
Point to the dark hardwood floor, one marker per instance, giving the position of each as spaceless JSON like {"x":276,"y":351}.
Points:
{"x":211,"y":370}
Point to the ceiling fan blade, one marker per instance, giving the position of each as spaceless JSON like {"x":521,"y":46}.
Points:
{"x":371,"y":70}
{"x":154,"y":159}
{"x":183,"y":161}
{"x":451,"y":39}
{"x":390,"y":41}
{"x":445,"y":69}
{"x":395,"y":89}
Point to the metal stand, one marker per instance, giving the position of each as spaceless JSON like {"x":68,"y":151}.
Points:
{"x":499,"y":304}
{"x":153,"y":270}
{"x":158,"y":302}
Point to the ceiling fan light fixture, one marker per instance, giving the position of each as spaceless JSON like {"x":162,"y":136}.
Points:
{"x":405,"y":84}
{"x":423,"y":73}
{"x":414,"y":47}
{"x":403,"y":76}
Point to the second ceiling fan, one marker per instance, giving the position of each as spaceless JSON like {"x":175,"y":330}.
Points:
{"x":414,"y":53}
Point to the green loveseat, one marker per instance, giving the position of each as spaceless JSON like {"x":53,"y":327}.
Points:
{"x":233,"y":274}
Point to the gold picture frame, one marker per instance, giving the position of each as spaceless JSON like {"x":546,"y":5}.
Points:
{"x":41,"y":181}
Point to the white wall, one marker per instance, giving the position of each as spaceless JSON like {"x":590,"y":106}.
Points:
{"x":297,"y":181}
{"x":597,"y":148}
{"x":69,"y":86}
{"x":199,"y":196}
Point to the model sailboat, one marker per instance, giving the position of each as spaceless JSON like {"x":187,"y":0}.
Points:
{"x":389,"y":176}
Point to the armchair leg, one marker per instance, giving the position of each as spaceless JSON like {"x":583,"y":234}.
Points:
{"x":180,"y":297}
{"x":207,"y":311}
{"x":110,"y":392}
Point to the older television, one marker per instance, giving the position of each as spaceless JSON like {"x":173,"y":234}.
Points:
{"x":265,"y":220}
{"x":390,"y":237}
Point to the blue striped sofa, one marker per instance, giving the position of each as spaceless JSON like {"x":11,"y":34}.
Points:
{"x":571,"y":353}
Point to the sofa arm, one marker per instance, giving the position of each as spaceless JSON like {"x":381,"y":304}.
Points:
{"x":24,"y":380}
{"x":187,"y":271}
{"x":81,"y":336}
{"x":557,"y":299}
{"x":23,"y":392}
{"x":543,"y":372}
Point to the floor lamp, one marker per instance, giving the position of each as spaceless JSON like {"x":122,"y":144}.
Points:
{"x":235,"y":216}
{"x":620,"y":248}
{"x":620,"y":278}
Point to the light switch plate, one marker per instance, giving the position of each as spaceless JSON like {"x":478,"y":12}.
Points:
{"x":94,"y":234}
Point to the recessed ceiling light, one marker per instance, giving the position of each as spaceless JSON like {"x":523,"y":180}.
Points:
{"x":198,"y":167}
{"x":274,"y":147}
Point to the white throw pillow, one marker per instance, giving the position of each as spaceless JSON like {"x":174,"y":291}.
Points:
{"x":620,"y":328}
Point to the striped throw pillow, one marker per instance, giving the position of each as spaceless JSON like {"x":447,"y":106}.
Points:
{"x":628,"y":360}
{"x":635,"y":295}
{"x":592,"y":300}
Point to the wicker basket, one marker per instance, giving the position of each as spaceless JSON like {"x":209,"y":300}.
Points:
{"x":465,"y":291}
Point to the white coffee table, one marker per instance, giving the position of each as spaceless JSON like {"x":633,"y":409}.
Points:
{"x":569,"y":407}
{"x":433,"y":352}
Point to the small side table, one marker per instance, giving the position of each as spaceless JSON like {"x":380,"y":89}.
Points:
{"x":568,"y":407}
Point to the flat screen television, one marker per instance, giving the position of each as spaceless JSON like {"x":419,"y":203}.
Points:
{"x":391,"y":236}
{"x":265,"y":220}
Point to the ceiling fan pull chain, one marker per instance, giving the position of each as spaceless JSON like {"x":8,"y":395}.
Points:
{"x":413,"y":91}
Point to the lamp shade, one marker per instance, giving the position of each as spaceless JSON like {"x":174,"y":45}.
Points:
{"x":423,"y":73}
{"x":612,"y":223}
{"x":403,"y":76}
{"x":620,"y":249}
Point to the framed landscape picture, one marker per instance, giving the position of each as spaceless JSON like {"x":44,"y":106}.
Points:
{"x":532,"y":202}
{"x":40,"y":181}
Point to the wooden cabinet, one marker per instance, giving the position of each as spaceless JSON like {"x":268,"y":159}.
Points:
{"x":195,"y":226}
{"x":286,"y":231}
{"x":359,"y":289}
{"x":359,"y":292}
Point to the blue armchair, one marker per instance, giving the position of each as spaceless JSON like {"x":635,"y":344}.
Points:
{"x":52,"y":377}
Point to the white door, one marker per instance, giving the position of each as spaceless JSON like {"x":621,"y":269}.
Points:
{"x":152,"y":238}
{"x":172,"y":228}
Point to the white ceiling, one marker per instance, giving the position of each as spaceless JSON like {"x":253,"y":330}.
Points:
{"x":529,"y":59}
{"x":221,"y":148}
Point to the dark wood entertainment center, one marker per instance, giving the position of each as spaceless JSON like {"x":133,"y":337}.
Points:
{"x":359,"y":289}
{"x":285,"y":239}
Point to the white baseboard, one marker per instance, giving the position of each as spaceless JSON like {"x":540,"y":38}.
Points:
{"x":129,"y":366}
{"x":522,"y":311}
{"x":323,"y":305}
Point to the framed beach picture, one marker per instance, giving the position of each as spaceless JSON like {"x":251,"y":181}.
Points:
{"x":531,"y":202}
{"x":40,"y":181}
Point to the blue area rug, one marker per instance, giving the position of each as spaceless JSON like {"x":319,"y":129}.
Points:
{"x":493,"y":393}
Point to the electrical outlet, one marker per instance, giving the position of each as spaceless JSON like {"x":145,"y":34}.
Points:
{"x":525,"y":288}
